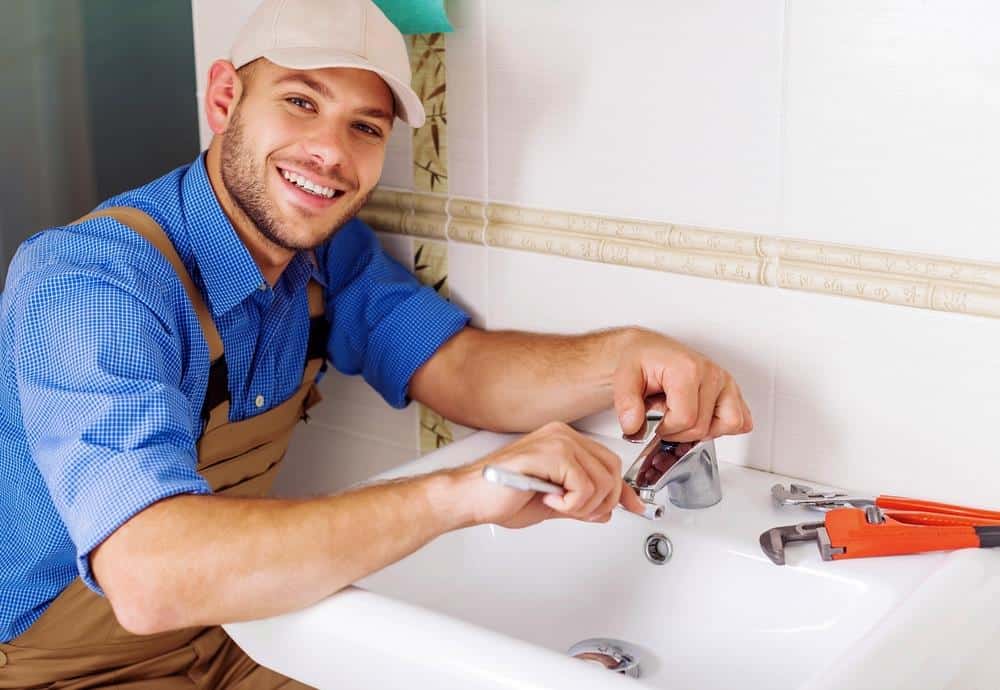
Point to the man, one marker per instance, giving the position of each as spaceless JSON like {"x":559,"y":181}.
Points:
{"x":158,"y":353}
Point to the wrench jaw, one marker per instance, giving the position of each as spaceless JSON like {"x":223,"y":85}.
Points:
{"x":807,"y":497}
{"x":773,"y":541}
{"x":826,"y":549}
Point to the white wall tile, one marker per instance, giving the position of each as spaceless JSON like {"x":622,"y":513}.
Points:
{"x":891,"y":125}
{"x":397,"y":171}
{"x":659,"y":109}
{"x":732,"y":324}
{"x":466,"y":99}
{"x":321,"y":461}
{"x":467,"y":280}
{"x":887,"y":400}
{"x":399,"y":247}
{"x":351,"y":405}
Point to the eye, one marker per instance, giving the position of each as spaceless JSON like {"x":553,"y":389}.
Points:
{"x":368,"y":129}
{"x":301,"y":103}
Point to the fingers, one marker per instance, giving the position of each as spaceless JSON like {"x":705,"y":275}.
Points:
{"x":609,"y":489}
{"x":706,"y":405}
{"x":618,"y":491}
{"x":630,"y":500}
{"x":702,"y":401}
{"x":712,"y":385}
{"x":683,"y":402}
{"x":630,"y":396}
{"x":583,"y":502}
{"x":732,"y":416}
{"x":590,"y":473}
{"x":614,"y":493}
{"x":594,"y":474}
{"x":605,"y":455}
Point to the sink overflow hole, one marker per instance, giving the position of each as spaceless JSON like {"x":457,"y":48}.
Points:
{"x":658,"y":549}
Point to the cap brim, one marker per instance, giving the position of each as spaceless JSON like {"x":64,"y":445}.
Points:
{"x":408,"y":106}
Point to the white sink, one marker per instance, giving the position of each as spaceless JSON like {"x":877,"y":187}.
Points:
{"x":488,"y":607}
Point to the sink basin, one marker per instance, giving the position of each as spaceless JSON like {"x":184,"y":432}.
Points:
{"x":489,"y":607}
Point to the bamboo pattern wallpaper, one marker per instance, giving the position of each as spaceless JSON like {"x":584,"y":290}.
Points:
{"x":430,"y":142}
{"x":430,"y":265}
{"x":430,"y":174}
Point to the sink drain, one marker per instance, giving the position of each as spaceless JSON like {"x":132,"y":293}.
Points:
{"x":658,"y":548}
{"x":614,"y":655}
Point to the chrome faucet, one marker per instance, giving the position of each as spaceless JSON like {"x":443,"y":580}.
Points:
{"x":689,"y":471}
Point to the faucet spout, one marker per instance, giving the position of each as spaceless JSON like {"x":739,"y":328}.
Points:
{"x":689,"y":471}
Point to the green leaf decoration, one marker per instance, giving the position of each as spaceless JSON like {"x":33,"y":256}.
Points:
{"x":436,"y":92}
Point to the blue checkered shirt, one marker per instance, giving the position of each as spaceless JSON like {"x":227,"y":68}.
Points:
{"x":104,"y":367}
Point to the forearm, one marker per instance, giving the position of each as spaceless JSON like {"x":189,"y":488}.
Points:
{"x":205,"y":560}
{"x":514,"y":381}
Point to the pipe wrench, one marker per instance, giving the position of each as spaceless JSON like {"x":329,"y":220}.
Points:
{"x":885,"y":526}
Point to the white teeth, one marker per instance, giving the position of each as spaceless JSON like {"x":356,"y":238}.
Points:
{"x":305,"y":184}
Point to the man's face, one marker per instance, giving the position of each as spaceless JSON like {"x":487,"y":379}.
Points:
{"x":304,"y":149}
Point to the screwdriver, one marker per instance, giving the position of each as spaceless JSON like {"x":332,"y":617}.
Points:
{"x":516,"y":480}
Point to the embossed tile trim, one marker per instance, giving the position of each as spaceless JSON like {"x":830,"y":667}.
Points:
{"x":913,"y":280}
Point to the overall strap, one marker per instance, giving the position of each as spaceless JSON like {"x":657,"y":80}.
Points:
{"x":216,"y":407}
{"x":319,"y":327}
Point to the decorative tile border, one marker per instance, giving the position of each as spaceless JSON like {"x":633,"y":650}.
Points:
{"x":913,"y":280}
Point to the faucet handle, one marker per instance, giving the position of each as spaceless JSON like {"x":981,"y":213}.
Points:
{"x":689,"y":471}
{"x":647,"y":430}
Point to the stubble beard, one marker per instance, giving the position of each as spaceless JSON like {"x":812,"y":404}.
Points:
{"x":247,"y":189}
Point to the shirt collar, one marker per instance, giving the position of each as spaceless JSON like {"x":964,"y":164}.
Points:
{"x":295,"y":276}
{"x":229,"y":272}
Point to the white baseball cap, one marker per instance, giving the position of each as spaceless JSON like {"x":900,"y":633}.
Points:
{"x":312,"y":34}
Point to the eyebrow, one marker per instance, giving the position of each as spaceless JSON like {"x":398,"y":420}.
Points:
{"x":322,"y":89}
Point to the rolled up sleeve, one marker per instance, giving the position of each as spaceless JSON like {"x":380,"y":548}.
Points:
{"x":386,"y":325}
{"x":109,"y":430}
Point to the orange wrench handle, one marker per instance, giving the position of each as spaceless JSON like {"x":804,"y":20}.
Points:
{"x":900,"y":503}
{"x":848,"y":528}
{"x":911,"y":517}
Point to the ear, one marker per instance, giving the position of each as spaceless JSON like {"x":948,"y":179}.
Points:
{"x":222,"y":95}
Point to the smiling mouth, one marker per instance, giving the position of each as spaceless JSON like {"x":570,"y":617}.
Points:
{"x":310,"y":187}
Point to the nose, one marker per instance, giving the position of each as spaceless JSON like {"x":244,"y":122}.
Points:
{"x":327,"y":148}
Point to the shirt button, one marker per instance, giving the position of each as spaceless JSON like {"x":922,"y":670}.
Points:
{"x":262,"y":286}
{"x":259,"y":401}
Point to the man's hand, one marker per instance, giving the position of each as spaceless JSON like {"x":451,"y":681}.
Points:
{"x":590,"y":473}
{"x":513,"y":381}
{"x":698,"y":399}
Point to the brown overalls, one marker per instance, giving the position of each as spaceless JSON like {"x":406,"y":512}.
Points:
{"x":77,"y":643}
